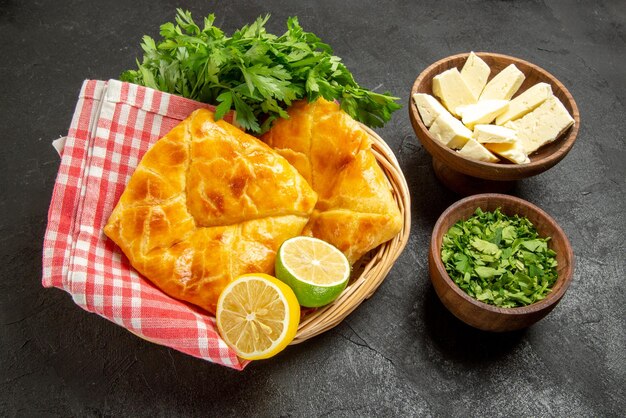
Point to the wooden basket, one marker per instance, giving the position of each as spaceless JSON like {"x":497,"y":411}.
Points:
{"x":376,"y":264}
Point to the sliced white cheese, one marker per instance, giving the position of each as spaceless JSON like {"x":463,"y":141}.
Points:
{"x":450,"y":131}
{"x":494,"y":134}
{"x":482,"y":112}
{"x":472,"y":149}
{"x":511,"y":151}
{"x":525,"y":102}
{"x":541,"y":126}
{"x":428,"y":107}
{"x":504,"y":85}
{"x":475,"y":73}
{"x":452,"y":90}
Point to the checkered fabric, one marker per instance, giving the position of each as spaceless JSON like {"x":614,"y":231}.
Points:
{"x":114,"y":124}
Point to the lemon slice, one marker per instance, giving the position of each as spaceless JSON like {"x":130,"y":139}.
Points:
{"x":257,"y":316}
{"x":315,"y":270}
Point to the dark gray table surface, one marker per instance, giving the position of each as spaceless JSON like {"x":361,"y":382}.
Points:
{"x":401,"y":353}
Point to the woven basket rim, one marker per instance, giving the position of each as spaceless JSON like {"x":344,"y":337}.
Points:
{"x":382,"y":258}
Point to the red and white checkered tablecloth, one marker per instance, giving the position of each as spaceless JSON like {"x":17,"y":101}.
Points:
{"x":114,"y":124}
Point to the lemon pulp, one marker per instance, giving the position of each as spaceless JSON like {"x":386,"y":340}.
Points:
{"x":257,"y":316}
{"x":315,"y":270}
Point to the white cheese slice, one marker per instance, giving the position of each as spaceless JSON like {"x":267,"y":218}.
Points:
{"x":494,"y":134}
{"x":475,"y":73}
{"x":472,"y":149}
{"x":504,"y":85}
{"x":541,"y":126}
{"x":450,"y":131}
{"x":482,"y":112}
{"x":428,"y":107}
{"x":525,"y":102}
{"x":452,"y":90}
{"x":511,"y":151}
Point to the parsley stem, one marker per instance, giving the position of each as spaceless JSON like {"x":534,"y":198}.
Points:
{"x":193,"y":91}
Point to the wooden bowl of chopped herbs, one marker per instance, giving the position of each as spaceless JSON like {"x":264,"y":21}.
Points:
{"x":498,"y":262}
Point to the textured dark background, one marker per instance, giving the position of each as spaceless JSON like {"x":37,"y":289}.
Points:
{"x":401,"y":352}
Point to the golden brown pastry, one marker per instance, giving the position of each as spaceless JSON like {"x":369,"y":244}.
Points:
{"x":206,"y":204}
{"x":355,"y":211}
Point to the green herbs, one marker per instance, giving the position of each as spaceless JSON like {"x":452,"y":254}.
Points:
{"x":499,"y":260}
{"x":253,"y":72}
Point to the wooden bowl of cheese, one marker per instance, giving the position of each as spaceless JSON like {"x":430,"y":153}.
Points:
{"x":489,"y":120}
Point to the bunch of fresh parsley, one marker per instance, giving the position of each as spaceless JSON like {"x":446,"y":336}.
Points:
{"x":253,"y":72}
{"x":499,"y":259}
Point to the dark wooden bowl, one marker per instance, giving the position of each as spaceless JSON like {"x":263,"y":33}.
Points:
{"x":481,"y":315}
{"x":467,"y":176}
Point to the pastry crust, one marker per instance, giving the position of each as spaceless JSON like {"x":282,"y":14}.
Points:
{"x":356,"y":210}
{"x":206,"y":204}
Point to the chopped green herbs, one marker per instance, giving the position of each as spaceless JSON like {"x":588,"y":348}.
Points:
{"x":253,"y":72}
{"x":499,"y":260}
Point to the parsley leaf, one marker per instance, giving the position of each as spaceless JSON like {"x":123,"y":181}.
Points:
{"x":226,"y":100}
{"x":253,"y":72}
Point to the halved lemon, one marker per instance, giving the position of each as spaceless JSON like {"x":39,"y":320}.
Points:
{"x":316,"y":270}
{"x":257,"y":316}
